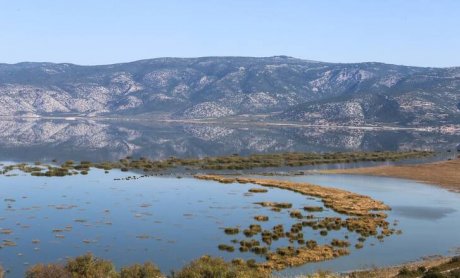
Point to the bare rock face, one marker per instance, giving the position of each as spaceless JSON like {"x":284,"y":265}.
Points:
{"x":213,"y":87}
{"x":208,"y":109}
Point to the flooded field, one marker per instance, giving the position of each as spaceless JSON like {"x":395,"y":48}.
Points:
{"x":172,"y":221}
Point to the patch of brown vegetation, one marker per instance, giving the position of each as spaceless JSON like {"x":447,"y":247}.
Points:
{"x":290,"y":257}
{"x":445,"y":173}
{"x":366,"y":218}
{"x":341,"y":201}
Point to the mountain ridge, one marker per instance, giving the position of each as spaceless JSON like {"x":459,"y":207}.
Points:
{"x":281,"y":87}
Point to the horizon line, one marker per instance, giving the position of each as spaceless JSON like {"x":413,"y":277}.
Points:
{"x":218,"y":56}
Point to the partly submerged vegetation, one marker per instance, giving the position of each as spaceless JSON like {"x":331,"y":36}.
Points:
{"x":365,"y":218}
{"x":231,"y":162}
{"x":342,"y":201}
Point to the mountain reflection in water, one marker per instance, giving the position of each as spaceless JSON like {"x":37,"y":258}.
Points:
{"x":45,"y":140}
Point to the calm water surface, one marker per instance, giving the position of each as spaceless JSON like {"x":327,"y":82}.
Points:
{"x":171,"y":221}
{"x":166,"y":220}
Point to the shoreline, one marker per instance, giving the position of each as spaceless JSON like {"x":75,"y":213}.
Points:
{"x":444,"y":174}
{"x":240,"y":121}
{"x":393,"y":270}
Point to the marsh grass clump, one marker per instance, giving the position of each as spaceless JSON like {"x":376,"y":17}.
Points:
{"x":311,"y":244}
{"x":258,"y":190}
{"x":255,"y":227}
{"x":253,"y":230}
{"x":313,"y":209}
{"x":231,"y":231}
{"x":6,"y":231}
{"x":275,"y":205}
{"x":249,"y":243}
{"x":278,"y":232}
{"x":340,"y":243}
{"x":261,"y":218}
{"x":259,"y":250}
{"x":297,"y":227}
{"x":243,"y":249}
{"x":286,"y":251}
{"x":9,"y":243}
{"x":296,"y":214}
{"x":308,"y":223}
{"x":225,"y":247}
{"x":249,"y":232}
{"x":295,"y":236}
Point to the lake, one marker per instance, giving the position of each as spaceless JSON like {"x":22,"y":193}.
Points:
{"x":172,"y":221}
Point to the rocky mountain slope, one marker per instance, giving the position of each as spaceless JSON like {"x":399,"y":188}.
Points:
{"x":283,"y":88}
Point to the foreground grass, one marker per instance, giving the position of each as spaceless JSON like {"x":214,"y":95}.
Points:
{"x":231,"y":162}
{"x":434,"y":268}
{"x":88,"y":266}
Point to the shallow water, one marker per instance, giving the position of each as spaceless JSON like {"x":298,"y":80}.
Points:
{"x":428,"y":216}
{"x":172,"y":221}
{"x":169,"y":221}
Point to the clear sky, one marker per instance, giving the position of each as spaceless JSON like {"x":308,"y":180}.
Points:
{"x":410,"y":32}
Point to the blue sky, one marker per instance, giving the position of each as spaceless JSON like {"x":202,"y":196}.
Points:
{"x":410,"y":32}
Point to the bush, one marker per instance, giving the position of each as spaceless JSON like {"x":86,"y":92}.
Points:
{"x":47,"y":271}
{"x":433,"y":273}
{"x":89,"y":266}
{"x":455,"y":273}
{"x":208,"y":267}
{"x":147,"y":270}
{"x":404,"y":272}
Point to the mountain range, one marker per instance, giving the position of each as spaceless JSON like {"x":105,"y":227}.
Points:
{"x":278,"y":88}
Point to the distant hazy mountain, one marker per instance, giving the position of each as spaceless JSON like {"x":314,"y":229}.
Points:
{"x":283,"y":88}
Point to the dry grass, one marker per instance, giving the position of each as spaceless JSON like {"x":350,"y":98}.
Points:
{"x":341,"y":201}
{"x":445,"y":173}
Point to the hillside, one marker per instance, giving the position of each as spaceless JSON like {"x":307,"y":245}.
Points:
{"x":285,"y":88}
